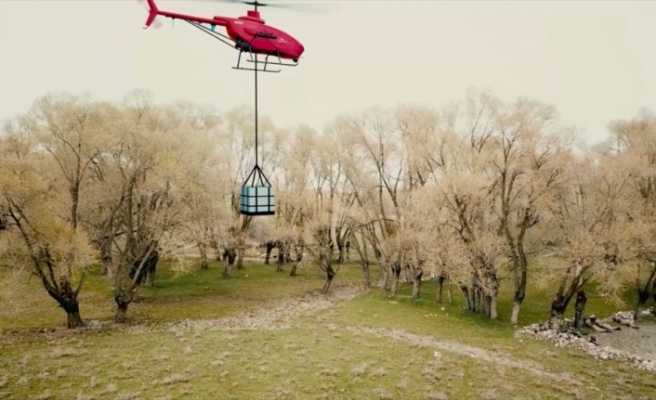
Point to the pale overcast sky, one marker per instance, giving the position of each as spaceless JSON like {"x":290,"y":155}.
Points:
{"x":595,"y":60}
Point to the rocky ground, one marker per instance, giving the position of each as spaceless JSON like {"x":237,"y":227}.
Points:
{"x":635,"y":341}
{"x":635,"y":344}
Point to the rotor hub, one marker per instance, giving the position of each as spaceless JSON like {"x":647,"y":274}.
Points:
{"x":255,"y":4}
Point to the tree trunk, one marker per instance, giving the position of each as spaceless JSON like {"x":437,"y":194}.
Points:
{"x":474,"y":299}
{"x":108,"y":268}
{"x":384,"y":278}
{"x":566,"y":291}
{"x":579,"y":307}
{"x":281,"y":257}
{"x":122,"y":300}
{"x":514,"y":317}
{"x":70,"y":304}
{"x":516,"y":247}
{"x":151,"y":268}
{"x":74,"y":320}
{"x":330,"y":274}
{"x":106,"y":257}
{"x":479,"y":301}
{"x":517,"y":304}
{"x":269,"y":249}
{"x":142,"y":270}
{"x":408,"y":274}
{"x":150,"y":276}
{"x":558,"y":307}
{"x":493,"y":308}
{"x":203,"y":256}
{"x":341,"y":251}
{"x":298,"y":248}
{"x":493,"y":296}
{"x":465,"y":293}
{"x":240,"y":258}
{"x":643,"y":298}
{"x":644,"y":293}
{"x":67,"y":299}
{"x":416,"y":282}
{"x":240,"y":251}
{"x":486,"y":300}
{"x":367,"y":276}
{"x":229,"y":256}
{"x":218,"y":255}
{"x":449,"y":295}
{"x":227,"y":269}
{"x":440,"y":285}
{"x":105,"y":244}
{"x":396,"y":276}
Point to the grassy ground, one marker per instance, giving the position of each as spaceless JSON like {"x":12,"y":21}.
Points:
{"x":265,"y":335}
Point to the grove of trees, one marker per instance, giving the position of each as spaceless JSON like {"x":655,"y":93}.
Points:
{"x":477,"y":194}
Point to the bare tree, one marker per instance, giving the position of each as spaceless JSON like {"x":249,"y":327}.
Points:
{"x":590,"y":228}
{"x":42,"y":213}
{"x":526,"y":164}
{"x":633,"y":142}
{"x":376,"y":136}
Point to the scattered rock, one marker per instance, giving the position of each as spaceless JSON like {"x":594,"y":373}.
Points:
{"x":624,"y":318}
{"x":403,"y":384}
{"x":383,"y":394}
{"x":175,"y":378}
{"x":436,"y":396}
{"x":45,"y":395}
{"x":489,"y":394}
{"x":111,"y":388}
{"x":128,"y":396}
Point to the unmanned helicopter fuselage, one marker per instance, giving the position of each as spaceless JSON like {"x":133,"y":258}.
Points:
{"x":250,"y":32}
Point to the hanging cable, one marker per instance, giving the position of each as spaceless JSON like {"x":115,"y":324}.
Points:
{"x":256,"y":117}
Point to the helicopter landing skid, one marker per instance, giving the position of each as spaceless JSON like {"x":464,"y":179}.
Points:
{"x":256,"y":59}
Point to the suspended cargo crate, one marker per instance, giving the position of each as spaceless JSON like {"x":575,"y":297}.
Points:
{"x":257,"y":195}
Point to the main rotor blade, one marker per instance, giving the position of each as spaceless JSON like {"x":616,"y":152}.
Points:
{"x":305,"y":7}
{"x":308,"y":6}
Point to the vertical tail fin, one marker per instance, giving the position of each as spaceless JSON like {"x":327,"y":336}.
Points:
{"x":152,"y":12}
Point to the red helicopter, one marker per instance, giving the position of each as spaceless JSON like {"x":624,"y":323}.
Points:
{"x":248,"y":33}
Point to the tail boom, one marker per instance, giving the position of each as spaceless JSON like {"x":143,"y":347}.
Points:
{"x":154,"y":12}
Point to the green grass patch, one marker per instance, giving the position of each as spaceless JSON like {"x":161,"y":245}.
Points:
{"x":329,"y":355}
{"x":292,"y":364}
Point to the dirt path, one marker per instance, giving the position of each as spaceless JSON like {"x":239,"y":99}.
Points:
{"x":279,"y":315}
{"x":464,"y":350}
{"x":285,"y":314}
